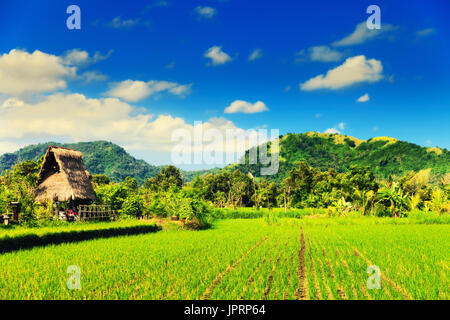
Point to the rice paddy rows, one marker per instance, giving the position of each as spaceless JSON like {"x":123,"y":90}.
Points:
{"x":241,"y":259}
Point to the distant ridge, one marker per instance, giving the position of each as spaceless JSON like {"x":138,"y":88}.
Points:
{"x":100,"y":157}
{"x":385,"y":155}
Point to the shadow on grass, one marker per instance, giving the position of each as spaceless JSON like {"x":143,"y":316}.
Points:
{"x":28,"y":241}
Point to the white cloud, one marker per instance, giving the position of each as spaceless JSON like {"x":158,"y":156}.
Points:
{"x":332,"y":131}
{"x":7,"y":147}
{"x":336,"y":129}
{"x":75,"y":57}
{"x":354,"y":70}
{"x":325,"y":54}
{"x":256,"y":54}
{"x":22,"y":72}
{"x":240,"y":106}
{"x":91,"y":76}
{"x":134,"y":90}
{"x":425,"y":32}
{"x":319,"y":53}
{"x":363,"y":34}
{"x":119,"y":23}
{"x":73,"y":117}
{"x":81,"y":58}
{"x":217,"y":56}
{"x":205,"y":12}
{"x":363,"y":98}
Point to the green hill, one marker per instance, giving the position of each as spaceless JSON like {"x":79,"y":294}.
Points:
{"x":386,"y":156}
{"x":100,"y":157}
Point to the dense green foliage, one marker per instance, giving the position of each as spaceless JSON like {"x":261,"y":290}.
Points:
{"x":100,"y":157}
{"x":386,"y":156}
{"x":166,"y":195}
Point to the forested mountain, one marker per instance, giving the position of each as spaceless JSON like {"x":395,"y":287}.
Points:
{"x":100,"y":157}
{"x":386,"y":156}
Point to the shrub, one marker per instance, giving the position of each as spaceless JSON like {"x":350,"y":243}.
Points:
{"x":133,"y":206}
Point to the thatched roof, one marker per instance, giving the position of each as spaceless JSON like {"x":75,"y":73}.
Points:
{"x":64,"y":177}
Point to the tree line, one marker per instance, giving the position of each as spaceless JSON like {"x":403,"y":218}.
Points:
{"x":168,"y":195}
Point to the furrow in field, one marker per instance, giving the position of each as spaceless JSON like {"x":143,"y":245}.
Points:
{"x":339,"y":288}
{"x":291,"y":265}
{"x":349,"y":273}
{"x":302,"y":290}
{"x":270,"y":278}
{"x":251,"y":279}
{"x":314,"y":275}
{"x":323,"y":279}
{"x":393,"y":284}
{"x":207,"y":294}
{"x":352,"y":276}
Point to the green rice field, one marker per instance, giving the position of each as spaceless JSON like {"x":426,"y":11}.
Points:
{"x":309,"y":258}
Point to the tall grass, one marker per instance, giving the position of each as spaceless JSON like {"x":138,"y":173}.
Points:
{"x":254,"y":213}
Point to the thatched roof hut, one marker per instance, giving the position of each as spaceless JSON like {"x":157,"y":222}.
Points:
{"x":63,"y":177}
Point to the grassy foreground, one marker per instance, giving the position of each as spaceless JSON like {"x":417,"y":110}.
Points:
{"x":242,"y":259}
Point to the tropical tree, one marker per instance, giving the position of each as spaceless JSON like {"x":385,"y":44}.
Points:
{"x":394,"y":195}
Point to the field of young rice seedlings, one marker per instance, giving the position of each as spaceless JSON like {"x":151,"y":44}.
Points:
{"x":242,"y":259}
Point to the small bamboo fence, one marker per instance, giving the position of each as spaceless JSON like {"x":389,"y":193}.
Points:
{"x":96,"y":212}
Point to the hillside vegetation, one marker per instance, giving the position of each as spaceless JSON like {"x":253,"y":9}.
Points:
{"x":384,"y":155}
{"x":100,"y":157}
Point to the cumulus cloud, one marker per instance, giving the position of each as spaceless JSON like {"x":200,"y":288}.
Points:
{"x":7,"y":147}
{"x":425,"y":32}
{"x":354,"y":70}
{"x":240,"y":106}
{"x":363,"y":34}
{"x":363,"y":98}
{"x":83,"y":119}
{"x":81,"y":58}
{"x":336,"y":129}
{"x":256,"y":54}
{"x":325,"y":53}
{"x":22,"y":72}
{"x":332,"y":131}
{"x":135,"y":90}
{"x":92,"y":76}
{"x":319,"y":53}
{"x":205,"y":12}
{"x":217,"y":56}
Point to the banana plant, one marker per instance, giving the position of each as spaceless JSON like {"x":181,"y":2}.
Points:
{"x":395,"y":196}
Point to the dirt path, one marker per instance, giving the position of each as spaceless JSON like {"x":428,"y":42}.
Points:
{"x":302,"y":291}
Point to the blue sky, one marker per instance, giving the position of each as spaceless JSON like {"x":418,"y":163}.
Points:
{"x":137,"y":70}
